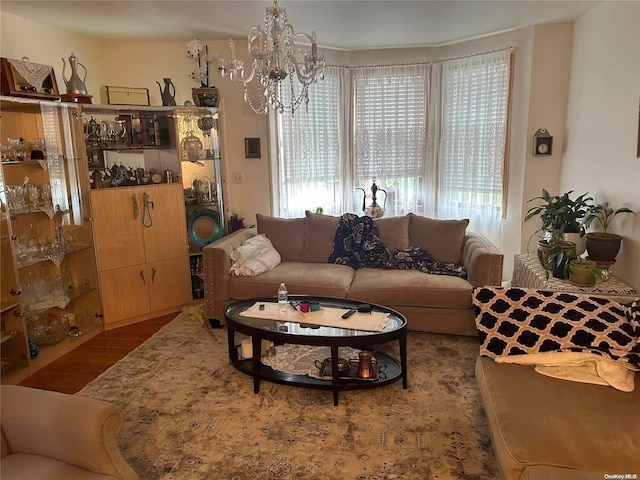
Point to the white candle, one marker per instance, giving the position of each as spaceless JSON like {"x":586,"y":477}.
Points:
{"x":247,"y":349}
{"x":314,"y":45}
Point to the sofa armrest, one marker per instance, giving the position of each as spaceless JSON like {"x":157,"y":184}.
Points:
{"x":77,"y":430}
{"x":216,"y":266}
{"x":482,"y":260}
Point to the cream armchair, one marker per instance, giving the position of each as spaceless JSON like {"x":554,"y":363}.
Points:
{"x":49,"y":435}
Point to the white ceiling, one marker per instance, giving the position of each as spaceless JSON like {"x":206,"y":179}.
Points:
{"x":340,"y":24}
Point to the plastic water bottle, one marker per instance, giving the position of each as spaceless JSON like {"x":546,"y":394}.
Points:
{"x":283,"y":299}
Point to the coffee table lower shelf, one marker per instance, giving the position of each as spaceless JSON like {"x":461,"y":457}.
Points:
{"x":390,"y":369}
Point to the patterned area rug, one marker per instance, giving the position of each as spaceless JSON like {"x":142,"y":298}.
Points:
{"x":191,"y":415}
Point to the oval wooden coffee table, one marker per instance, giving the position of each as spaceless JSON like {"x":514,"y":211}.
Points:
{"x":290,"y":332}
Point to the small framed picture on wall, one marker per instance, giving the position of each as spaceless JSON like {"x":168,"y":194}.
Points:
{"x":252,"y":148}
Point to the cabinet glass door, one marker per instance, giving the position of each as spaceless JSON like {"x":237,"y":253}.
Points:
{"x":44,"y":190}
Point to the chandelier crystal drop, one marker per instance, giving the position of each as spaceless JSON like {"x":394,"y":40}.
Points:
{"x":282,"y":73}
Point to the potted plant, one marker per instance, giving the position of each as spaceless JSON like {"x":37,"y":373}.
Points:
{"x":559,"y":253}
{"x":603,"y":246}
{"x":205,"y":96}
{"x":559,"y":213}
{"x":583,"y":272}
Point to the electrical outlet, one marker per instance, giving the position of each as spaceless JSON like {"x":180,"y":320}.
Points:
{"x":238,"y":177}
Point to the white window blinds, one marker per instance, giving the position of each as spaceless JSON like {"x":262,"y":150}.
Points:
{"x":310,"y":143}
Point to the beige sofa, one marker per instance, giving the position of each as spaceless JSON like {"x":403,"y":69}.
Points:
{"x":552,"y":428}
{"x":53,"y":436}
{"x":436,"y":303}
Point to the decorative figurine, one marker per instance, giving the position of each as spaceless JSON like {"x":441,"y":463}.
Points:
{"x":374,"y":210}
{"x":75,"y":84}
{"x":169,"y":93}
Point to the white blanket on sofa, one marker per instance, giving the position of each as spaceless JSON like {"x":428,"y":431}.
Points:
{"x":255,"y":256}
{"x":578,"y":367}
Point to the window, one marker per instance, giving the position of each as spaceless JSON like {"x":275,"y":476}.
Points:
{"x":433,"y":135}
{"x":309,"y":151}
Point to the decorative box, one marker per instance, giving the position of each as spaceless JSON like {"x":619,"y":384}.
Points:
{"x":22,"y":78}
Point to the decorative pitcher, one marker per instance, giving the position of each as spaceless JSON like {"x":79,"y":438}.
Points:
{"x":74,"y":84}
{"x":374,"y":210}
{"x":169,"y":93}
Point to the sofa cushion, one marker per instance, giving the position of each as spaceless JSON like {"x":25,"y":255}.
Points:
{"x":319,"y":233}
{"x":410,"y":288}
{"x":323,"y":279}
{"x":286,"y":235}
{"x":538,"y":420}
{"x":443,"y":239}
{"x":394,"y":231}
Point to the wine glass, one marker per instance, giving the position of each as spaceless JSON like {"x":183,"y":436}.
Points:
{"x":46,"y":195}
{"x":34,"y":195}
{"x":206,"y":124}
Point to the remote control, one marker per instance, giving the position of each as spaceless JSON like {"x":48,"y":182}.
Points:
{"x":349,"y":313}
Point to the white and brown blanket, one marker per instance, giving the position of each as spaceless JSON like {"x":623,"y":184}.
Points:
{"x":572,"y":336}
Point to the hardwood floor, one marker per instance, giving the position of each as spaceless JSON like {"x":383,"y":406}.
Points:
{"x":71,"y":372}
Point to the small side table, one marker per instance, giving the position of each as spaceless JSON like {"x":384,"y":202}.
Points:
{"x":528,"y":273}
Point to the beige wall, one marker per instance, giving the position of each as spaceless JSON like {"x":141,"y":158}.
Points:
{"x":602,"y":121}
{"x":549,"y":88}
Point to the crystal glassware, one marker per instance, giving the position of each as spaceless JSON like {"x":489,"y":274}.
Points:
{"x":34,"y":195}
{"x":46,"y":195}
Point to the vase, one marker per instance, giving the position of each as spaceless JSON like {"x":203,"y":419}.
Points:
{"x":579,"y":240}
{"x":168,"y":95}
{"x":192,"y":147}
{"x":205,"y":97}
{"x":603,"y":247}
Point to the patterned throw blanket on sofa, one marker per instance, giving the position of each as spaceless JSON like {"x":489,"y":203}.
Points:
{"x":565,"y":335}
{"x":357,"y":244}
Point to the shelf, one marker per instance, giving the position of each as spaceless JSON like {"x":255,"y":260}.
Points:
{"x":7,"y":335}
{"x":6,"y":306}
{"x":128,"y":148}
{"x":56,"y":259}
{"x":43,"y":163}
{"x":49,"y":212}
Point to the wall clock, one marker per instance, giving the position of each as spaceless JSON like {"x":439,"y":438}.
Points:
{"x":542,"y":142}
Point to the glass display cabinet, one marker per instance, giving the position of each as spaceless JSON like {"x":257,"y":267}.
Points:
{"x":198,"y":134}
{"x":50,"y":296}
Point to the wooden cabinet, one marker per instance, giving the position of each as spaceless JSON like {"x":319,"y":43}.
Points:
{"x":150,"y":145}
{"x":142,"y":251}
{"x":49,"y":289}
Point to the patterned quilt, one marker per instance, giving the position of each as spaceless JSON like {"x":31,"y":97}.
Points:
{"x":517,"y":321}
{"x":357,"y":244}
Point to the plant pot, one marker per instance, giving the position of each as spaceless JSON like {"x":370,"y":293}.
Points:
{"x":603,"y":247}
{"x":560,"y":269}
{"x":543,"y":248}
{"x":205,"y":97}
{"x":583,"y":272}
{"x":578,"y":239}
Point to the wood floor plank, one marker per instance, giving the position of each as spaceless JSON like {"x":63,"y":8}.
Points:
{"x":71,"y":372}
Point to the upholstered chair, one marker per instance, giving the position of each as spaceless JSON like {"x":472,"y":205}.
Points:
{"x":50,"y":436}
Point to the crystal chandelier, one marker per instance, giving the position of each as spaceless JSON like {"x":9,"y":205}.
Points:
{"x":282,"y":79}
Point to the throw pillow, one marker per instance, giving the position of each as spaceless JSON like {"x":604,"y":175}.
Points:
{"x":286,"y":235}
{"x":319,"y":233}
{"x":253,"y":257}
{"x":443,"y":239}
{"x":394,"y":231}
